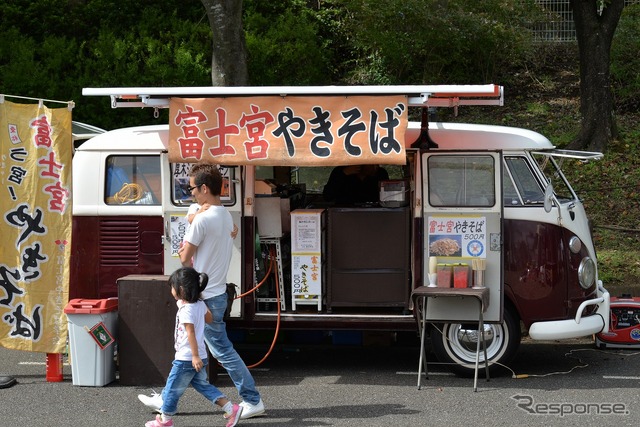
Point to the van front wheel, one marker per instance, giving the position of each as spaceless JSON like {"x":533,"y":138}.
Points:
{"x":455,"y":344}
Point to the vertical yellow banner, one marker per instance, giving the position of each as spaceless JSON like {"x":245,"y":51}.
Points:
{"x":35,"y":173}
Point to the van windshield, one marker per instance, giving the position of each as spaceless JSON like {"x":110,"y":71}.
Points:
{"x":523,"y":186}
{"x":552,"y":172}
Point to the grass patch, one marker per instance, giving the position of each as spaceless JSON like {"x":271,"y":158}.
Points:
{"x":618,"y":256}
{"x":537,"y":108}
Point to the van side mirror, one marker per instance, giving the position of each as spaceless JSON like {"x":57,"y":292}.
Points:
{"x":548,"y":198}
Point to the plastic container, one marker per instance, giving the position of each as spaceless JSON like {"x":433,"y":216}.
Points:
{"x":461,"y":276}
{"x":54,"y":370}
{"x":92,"y":336}
{"x":443,"y":278}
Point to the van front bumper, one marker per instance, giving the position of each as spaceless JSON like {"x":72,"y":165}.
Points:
{"x":579,"y":326}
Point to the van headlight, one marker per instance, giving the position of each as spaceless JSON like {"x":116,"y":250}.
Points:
{"x":587,"y":272}
{"x":575,"y":244}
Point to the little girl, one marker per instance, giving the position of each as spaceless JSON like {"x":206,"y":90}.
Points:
{"x":191,"y":355}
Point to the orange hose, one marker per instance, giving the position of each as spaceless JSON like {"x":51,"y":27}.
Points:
{"x":275,"y":335}
{"x":272,"y":263}
{"x":255,"y":288}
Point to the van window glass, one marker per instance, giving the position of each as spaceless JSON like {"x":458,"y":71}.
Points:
{"x":552,"y":172}
{"x":461,"y":181}
{"x":530,"y":189}
{"x":510,"y":195}
{"x":180,"y":194}
{"x":315,"y":178}
{"x":265,"y":172}
{"x":133,"y":180}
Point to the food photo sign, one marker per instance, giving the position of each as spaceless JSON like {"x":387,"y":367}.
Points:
{"x":457,"y":237}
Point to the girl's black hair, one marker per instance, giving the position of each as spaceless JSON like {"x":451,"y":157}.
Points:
{"x":188,"y":283}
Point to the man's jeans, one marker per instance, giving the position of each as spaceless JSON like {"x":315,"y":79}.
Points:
{"x":215,"y":335}
{"x":182,"y":374}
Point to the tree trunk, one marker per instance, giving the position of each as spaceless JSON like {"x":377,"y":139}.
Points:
{"x":594,"y":31}
{"x":229,"y":59}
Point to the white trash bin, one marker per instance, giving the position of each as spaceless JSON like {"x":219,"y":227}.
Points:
{"x":92,"y":340}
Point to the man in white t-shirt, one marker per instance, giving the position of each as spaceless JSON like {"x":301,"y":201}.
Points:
{"x":195,"y":209}
{"x":209,"y":243}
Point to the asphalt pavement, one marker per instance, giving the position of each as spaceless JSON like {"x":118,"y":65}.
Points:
{"x":330,"y":385}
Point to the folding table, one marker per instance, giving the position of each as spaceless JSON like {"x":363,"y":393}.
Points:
{"x":420,"y":297}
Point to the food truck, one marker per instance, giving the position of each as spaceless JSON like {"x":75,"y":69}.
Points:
{"x":450,"y":199}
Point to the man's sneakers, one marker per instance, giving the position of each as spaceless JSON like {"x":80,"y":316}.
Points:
{"x":154,"y":402}
{"x":7,"y":381}
{"x":159,"y":423}
{"x":234,"y":416}
{"x":250,"y":411}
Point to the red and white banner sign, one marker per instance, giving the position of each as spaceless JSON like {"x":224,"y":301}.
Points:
{"x":295,"y":131}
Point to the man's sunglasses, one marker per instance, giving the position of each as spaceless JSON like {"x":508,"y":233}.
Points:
{"x":190,"y":188}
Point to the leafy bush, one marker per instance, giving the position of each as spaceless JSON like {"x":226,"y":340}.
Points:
{"x":283,"y":47}
{"x":146,"y":43}
{"x":429,"y":41}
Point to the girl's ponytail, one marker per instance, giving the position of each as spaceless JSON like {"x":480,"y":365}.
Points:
{"x":188,"y":284}
{"x":202,"y":284}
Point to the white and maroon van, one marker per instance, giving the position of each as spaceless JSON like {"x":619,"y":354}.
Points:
{"x":456,"y":193}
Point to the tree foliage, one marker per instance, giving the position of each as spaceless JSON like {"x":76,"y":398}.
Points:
{"x":284,"y":44}
{"x":625,"y":61}
{"x":54,"y":48}
{"x":432,"y":41}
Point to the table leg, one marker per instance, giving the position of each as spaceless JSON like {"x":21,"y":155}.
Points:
{"x":484,"y":347}
{"x":423,"y":323}
{"x":480,"y":334}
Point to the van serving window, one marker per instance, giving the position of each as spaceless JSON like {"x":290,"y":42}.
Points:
{"x":133,"y":180}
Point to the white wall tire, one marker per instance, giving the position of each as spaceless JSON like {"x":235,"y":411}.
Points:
{"x":455,"y":344}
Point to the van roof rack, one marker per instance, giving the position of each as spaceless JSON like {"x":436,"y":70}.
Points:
{"x":417,"y":95}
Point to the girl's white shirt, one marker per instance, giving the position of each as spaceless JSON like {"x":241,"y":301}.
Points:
{"x":189,"y":313}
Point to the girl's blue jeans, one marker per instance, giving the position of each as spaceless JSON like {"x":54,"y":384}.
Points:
{"x":181,"y":376}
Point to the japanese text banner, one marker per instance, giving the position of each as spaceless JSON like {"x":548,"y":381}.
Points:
{"x":35,"y":173}
{"x":292,"y":130}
